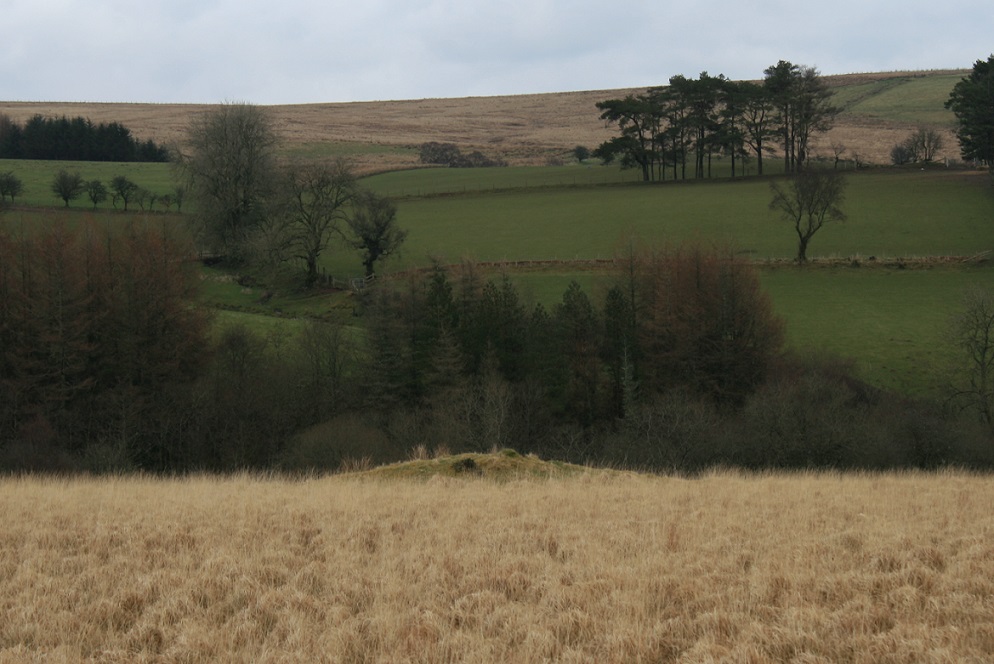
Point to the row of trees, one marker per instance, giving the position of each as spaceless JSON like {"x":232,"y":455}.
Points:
{"x":449,"y":154}
{"x":76,"y":139}
{"x":251,"y":209}
{"x":692,"y":121}
{"x":71,"y":186}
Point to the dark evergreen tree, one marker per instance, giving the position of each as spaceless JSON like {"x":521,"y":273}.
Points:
{"x":76,"y":139}
{"x":972,"y":101}
{"x":638,"y":119}
{"x":803,"y":108}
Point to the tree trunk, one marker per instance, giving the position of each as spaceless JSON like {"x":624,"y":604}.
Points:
{"x":802,"y":249}
{"x":312,"y":271}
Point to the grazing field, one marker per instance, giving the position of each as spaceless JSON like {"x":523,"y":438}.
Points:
{"x":891,"y":214}
{"x":896,"y":325}
{"x":594,"y":568}
{"x":435,"y":181}
{"x":37,"y":177}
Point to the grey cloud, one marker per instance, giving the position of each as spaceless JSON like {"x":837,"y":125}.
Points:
{"x":307,"y":50}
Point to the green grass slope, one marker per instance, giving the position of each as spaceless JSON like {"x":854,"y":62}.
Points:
{"x":909,"y":213}
{"x":912,"y":99}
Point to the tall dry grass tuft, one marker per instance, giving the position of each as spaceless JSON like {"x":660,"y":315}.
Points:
{"x":728,"y":567}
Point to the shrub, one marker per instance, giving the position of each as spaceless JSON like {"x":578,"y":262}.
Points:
{"x":334,"y":444}
{"x":448,"y":154}
{"x":900,"y":155}
{"x":672,"y":431}
{"x":10,"y":185}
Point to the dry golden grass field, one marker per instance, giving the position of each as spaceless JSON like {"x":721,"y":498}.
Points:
{"x":594,"y":567}
{"x":523,"y":129}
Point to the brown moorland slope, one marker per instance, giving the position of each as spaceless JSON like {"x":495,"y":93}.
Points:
{"x":523,"y":129}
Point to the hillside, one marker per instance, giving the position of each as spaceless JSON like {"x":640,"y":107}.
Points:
{"x":879,"y":110}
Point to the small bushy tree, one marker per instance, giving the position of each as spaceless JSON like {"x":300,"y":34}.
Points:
{"x":921,"y":146}
{"x":900,"y":155}
{"x":449,"y":154}
{"x":68,"y":186}
{"x":124,"y":189}
{"x":10,"y":185}
{"x":374,"y":229}
{"x":96,"y":192}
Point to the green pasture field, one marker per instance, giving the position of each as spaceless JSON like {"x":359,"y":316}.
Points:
{"x":37,"y":176}
{"x":894,"y":323}
{"x":891,"y":214}
{"x":911,"y":99}
{"x":434,"y":181}
{"x":429,"y":182}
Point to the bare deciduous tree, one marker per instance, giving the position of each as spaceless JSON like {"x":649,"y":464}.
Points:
{"x":230,"y":168}
{"x":973,"y":331}
{"x":10,"y":185}
{"x":809,"y":200}
{"x":124,"y":189}
{"x":838,"y":150}
{"x":315,"y":202}
{"x":923,"y":144}
{"x":96,"y":191}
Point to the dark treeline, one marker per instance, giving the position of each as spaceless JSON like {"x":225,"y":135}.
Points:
{"x":679,"y":365}
{"x":449,"y":154}
{"x":96,"y":329}
{"x":106,"y":364}
{"x":670,"y":131}
{"x":76,"y":139}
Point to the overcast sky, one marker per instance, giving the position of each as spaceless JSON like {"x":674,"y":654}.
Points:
{"x":301,"y":51}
